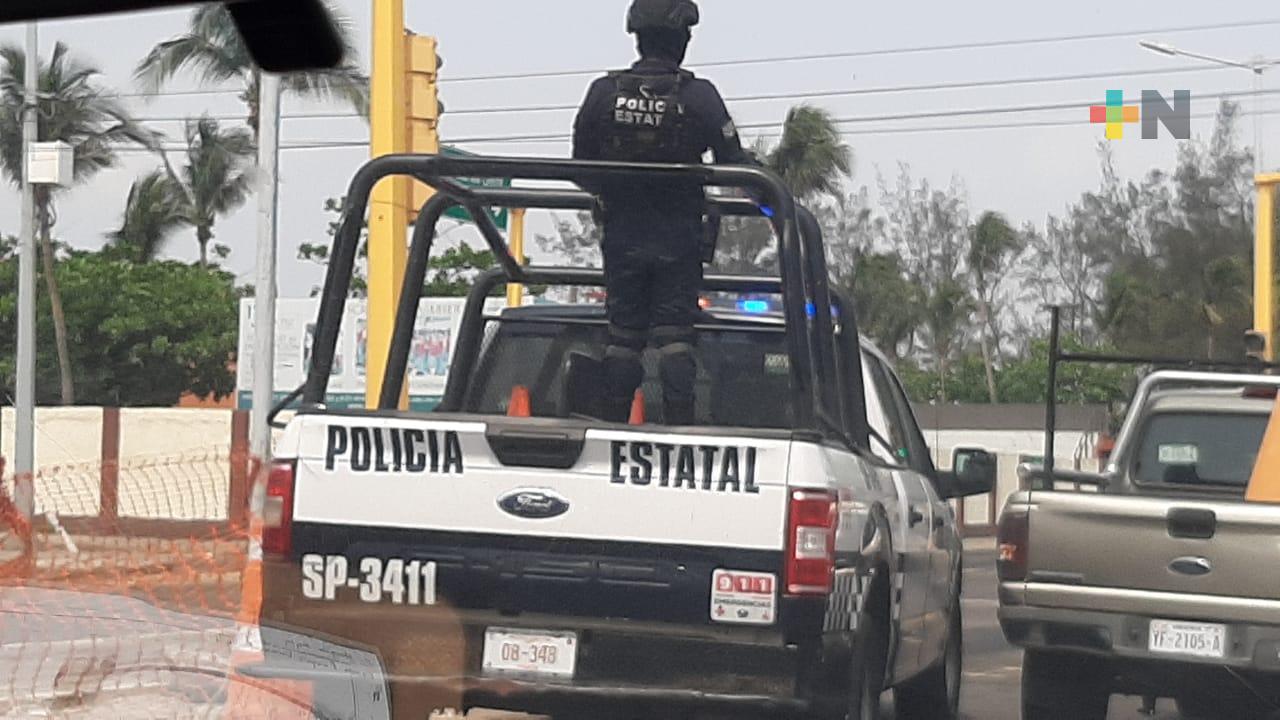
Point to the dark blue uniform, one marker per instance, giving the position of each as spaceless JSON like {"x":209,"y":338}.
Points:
{"x":653,"y":112}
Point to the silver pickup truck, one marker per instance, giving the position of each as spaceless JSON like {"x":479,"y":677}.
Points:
{"x":1153,"y":578}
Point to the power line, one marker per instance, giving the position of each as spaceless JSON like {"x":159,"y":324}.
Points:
{"x":889,"y":51}
{"x":961,"y":85}
{"x":963,"y":112}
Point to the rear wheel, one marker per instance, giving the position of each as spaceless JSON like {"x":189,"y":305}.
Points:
{"x":1063,"y":686}
{"x":856,"y":687}
{"x":935,"y":694}
{"x":868,"y":671}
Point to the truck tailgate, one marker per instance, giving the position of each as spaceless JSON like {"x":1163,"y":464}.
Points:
{"x":543,"y":518}
{"x":1224,"y":548}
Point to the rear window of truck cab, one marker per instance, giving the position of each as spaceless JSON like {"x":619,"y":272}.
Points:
{"x":1199,"y":449}
{"x":744,"y":371}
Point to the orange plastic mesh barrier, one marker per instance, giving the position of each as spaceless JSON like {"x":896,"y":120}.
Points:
{"x":119,"y":598}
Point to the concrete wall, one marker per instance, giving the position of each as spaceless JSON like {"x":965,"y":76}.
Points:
{"x":1073,"y":449}
{"x":174,"y":463}
{"x":69,"y":436}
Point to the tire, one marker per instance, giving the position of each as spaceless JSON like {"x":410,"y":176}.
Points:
{"x":1063,"y":686}
{"x":858,"y":686}
{"x":935,"y":693}
{"x":868,"y":671}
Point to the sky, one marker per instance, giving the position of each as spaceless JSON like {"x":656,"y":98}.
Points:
{"x":1025,"y":172}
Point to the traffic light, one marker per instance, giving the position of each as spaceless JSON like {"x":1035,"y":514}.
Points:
{"x":422,"y":66}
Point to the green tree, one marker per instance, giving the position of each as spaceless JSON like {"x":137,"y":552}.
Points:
{"x":1188,"y":292}
{"x":888,"y":303}
{"x":74,"y":108}
{"x":813,"y":162}
{"x":450,"y":273}
{"x":145,"y":333}
{"x":810,"y":156}
{"x":993,"y":245}
{"x":576,"y":243}
{"x":453,"y":272}
{"x":151,"y":215}
{"x":213,"y":51}
{"x":215,"y":179}
{"x":929,"y":228}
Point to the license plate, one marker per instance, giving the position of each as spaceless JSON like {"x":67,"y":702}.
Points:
{"x":530,"y":652}
{"x":1187,"y":638}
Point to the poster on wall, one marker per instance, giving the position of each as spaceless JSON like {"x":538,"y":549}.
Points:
{"x":435,"y":332}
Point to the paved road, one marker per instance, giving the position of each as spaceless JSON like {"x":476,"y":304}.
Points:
{"x":55,"y":644}
{"x":992,"y":673}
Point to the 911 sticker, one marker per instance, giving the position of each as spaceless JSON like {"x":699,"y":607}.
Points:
{"x":744,"y":598}
{"x":401,"y":582}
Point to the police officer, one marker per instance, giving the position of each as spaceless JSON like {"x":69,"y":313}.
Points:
{"x":655,"y":111}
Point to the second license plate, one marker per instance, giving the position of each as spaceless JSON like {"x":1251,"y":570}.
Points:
{"x":1187,"y":638}
{"x":530,"y":652}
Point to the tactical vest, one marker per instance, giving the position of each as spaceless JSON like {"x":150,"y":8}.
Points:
{"x":647,"y":121}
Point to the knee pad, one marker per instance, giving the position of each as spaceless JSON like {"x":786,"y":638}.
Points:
{"x":679,"y":371}
{"x":623,"y":371}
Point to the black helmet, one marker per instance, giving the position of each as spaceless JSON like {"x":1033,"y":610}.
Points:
{"x":675,"y":15}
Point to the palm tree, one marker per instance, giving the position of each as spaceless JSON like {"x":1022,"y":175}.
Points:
{"x":810,"y":157}
{"x":812,"y":161}
{"x":72,"y":108}
{"x":992,"y":244}
{"x":216,"y":178}
{"x":214,"y":52}
{"x":151,"y":214}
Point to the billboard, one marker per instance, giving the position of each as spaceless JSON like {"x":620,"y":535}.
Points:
{"x":435,"y":331}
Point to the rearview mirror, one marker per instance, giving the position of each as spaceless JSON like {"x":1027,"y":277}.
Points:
{"x":281,"y":35}
{"x":973,"y":472}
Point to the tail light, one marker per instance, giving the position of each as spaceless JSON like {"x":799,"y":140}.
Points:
{"x":1012,"y":540}
{"x":277,"y":510}
{"x":811,"y":542}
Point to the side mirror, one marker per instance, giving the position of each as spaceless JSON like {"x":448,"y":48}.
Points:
{"x":973,"y":472}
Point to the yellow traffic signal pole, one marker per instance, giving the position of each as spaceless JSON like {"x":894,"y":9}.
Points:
{"x":515,"y":291}
{"x":1264,"y":308}
{"x":388,"y":214}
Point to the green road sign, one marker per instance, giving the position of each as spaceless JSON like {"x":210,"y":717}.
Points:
{"x":457,"y":213}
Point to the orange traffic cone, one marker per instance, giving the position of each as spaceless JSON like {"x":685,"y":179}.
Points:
{"x":637,"y":409}
{"x":520,"y":404}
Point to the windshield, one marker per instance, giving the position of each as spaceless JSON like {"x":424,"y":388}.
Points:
{"x":1209,"y":450}
{"x":696,"y":362}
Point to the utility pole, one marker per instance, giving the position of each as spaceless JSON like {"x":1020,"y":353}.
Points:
{"x":25,"y":402}
{"x":264,"y":293}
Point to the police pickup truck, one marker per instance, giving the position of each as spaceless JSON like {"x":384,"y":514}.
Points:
{"x":1155,"y":578}
{"x":792,"y":554}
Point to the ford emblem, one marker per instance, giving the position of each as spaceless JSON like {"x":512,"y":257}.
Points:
{"x":533,"y":504}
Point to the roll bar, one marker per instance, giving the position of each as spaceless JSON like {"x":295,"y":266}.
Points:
{"x":807,"y":299}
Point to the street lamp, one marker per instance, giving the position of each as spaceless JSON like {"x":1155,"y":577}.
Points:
{"x":1256,"y":65}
